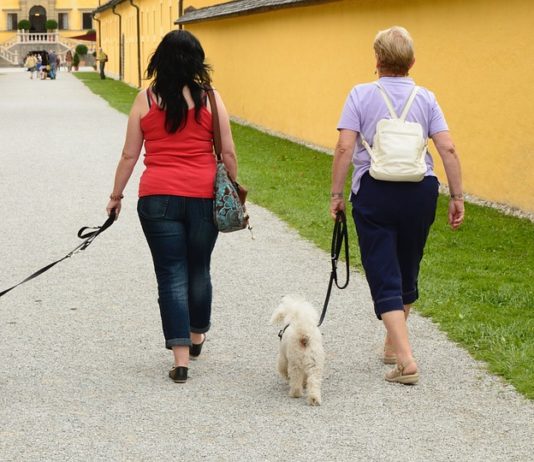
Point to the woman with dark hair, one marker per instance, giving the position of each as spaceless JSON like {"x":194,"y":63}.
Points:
{"x":173,"y":120}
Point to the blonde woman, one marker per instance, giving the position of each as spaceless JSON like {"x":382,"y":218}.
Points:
{"x":393,"y":218}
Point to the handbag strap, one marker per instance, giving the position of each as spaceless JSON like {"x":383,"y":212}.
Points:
{"x":217,"y":143}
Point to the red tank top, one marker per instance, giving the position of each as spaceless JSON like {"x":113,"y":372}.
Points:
{"x":180,"y":163}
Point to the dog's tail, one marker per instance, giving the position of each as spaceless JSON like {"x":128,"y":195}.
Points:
{"x":304,"y":340}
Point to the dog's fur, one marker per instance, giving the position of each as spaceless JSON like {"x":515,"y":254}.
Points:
{"x":301,"y":354}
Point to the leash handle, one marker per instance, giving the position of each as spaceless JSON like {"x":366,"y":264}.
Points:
{"x":89,"y":237}
{"x":339,"y":236}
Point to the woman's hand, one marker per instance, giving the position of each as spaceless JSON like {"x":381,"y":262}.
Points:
{"x":337,"y":203}
{"x":456,"y":213}
{"x":114,"y":204}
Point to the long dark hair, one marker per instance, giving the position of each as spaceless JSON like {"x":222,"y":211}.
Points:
{"x":178,"y":61}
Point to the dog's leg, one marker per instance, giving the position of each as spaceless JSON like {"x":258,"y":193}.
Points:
{"x":282,"y":366}
{"x":314,"y":389}
{"x":296,"y":378}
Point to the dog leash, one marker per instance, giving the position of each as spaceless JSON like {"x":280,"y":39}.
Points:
{"x":339,"y":236}
{"x":87,"y":233}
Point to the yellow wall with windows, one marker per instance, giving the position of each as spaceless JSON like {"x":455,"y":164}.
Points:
{"x":74,"y":8}
{"x":290,"y":71}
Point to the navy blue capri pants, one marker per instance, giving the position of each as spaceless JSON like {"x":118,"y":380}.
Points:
{"x":392,"y":222}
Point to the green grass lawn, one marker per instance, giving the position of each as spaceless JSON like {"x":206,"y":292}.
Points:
{"x":476,"y":283}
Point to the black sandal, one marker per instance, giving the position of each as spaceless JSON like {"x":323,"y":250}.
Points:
{"x":196,"y":348}
{"x":178,"y":374}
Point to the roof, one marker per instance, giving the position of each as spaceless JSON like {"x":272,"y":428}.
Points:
{"x":107,"y":6}
{"x":238,"y":8}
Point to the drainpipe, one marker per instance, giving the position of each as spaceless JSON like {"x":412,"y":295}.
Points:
{"x":99,"y":31}
{"x":180,"y":12}
{"x":120,"y":41}
{"x":138,"y":44}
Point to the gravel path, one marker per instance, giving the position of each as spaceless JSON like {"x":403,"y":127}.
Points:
{"x":82,"y":364}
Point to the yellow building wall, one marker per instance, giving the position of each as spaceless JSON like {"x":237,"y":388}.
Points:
{"x":290,"y":71}
{"x":156,"y":19}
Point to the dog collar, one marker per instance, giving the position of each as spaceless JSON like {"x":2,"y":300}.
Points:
{"x":282,"y":332}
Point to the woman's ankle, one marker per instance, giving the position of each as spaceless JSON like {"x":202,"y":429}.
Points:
{"x":181,"y":356}
{"x":197,"y":338}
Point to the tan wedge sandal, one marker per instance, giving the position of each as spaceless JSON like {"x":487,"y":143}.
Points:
{"x":397,"y":374}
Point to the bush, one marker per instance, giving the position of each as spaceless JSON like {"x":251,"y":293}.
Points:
{"x":51,"y":24}
{"x":76,"y":60}
{"x":91,"y":31}
{"x":24,"y":24}
{"x":81,"y":50}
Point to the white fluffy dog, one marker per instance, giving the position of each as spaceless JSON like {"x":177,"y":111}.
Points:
{"x":301,"y":354}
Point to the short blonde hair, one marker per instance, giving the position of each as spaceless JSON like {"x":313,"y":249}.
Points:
{"x":394,"y":50}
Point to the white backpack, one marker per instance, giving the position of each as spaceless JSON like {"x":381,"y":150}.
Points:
{"x":399,"y":147}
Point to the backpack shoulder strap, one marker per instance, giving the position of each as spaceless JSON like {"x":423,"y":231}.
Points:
{"x":409,"y":103}
{"x":387,"y":100}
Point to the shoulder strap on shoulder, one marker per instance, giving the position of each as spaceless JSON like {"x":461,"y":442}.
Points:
{"x":215,"y":120}
{"x":387,"y":100}
{"x":148,"y":98}
{"x":409,"y":103}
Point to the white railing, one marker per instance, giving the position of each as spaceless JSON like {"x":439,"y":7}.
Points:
{"x":12,"y":57}
{"x":9,"y":43}
{"x":37,"y":37}
{"x":24,"y":37}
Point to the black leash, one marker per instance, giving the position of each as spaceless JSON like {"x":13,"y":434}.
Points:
{"x":339,"y":236}
{"x":88,"y":233}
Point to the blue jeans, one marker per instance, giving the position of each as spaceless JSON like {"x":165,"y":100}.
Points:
{"x":181,"y":235}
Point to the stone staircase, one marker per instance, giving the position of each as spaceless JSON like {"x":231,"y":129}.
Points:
{"x":13,"y":51}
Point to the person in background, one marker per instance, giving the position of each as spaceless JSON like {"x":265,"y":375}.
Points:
{"x":68,"y":60}
{"x":102,"y":59}
{"x":52,"y":62}
{"x":31,"y":64}
{"x":393,"y":218}
{"x":173,"y":120}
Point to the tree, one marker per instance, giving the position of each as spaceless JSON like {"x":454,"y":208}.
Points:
{"x":51,"y":24}
{"x":24,"y":24}
{"x":81,"y":50}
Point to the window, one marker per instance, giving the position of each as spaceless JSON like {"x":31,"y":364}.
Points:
{"x":87,"y":21}
{"x":12,"y":21}
{"x":63,"y":21}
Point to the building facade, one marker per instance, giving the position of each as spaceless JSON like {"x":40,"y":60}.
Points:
{"x":73,"y":17}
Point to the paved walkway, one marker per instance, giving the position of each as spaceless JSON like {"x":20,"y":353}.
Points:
{"x":82,"y":364}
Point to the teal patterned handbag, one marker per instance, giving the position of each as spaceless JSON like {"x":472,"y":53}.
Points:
{"x":229,"y":204}
{"x":229,"y":210}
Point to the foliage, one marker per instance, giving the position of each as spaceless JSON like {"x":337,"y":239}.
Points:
{"x":475,"y":283}
{"x":51,"y":24}
{"x":81,"y":50}
{"x":24,"y":24}
{"x":91,"y":31}
{"x":76,"y":60}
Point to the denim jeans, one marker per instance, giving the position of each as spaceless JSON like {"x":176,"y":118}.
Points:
{"x":181,"y":235}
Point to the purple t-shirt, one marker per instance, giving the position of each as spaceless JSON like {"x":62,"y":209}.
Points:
{"x":365,"y":106}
